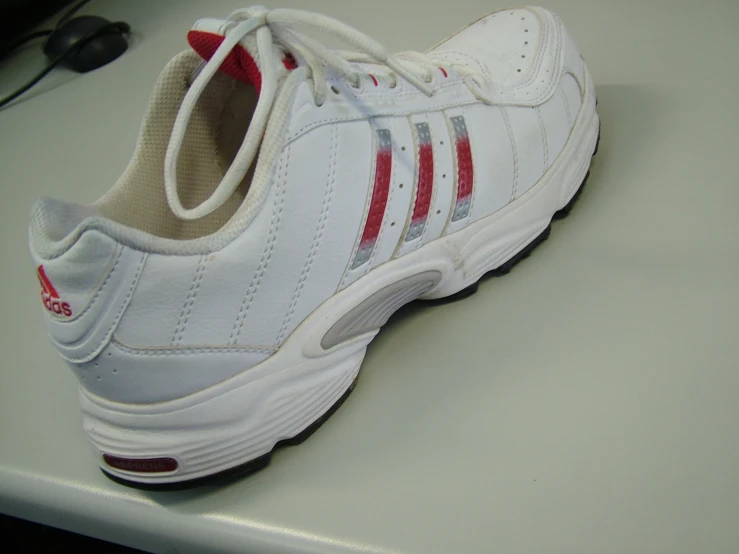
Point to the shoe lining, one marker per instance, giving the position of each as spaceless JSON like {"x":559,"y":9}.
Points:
{"x":214,"y":134}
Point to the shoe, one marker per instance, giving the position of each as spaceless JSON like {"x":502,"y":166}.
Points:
{"x":284,"y":199}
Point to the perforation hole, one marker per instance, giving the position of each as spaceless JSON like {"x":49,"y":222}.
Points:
{"x":402,"y":148}
{"x":334,"y":89}
{"x":438,"y":212}
{"x":400,"y":185}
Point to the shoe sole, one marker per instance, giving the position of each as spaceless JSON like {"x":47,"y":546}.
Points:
{"x":233,"y":427}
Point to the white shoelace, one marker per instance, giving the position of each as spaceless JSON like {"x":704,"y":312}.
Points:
{"x":414,"y":67}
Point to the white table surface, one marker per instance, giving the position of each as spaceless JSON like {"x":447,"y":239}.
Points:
{"x":598,"y":412}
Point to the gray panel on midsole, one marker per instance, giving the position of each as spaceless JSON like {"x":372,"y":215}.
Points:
{"x":374,"y":311}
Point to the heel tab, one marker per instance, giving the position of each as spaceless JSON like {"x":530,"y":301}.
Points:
{"x":55,"y":226}
{"x":84,"y":292}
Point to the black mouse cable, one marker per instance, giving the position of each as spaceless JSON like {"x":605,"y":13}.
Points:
{"x":109,"y":28}
{"x":17,"y":43}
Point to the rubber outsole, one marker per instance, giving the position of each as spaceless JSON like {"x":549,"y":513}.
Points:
{"x":252,"y":466}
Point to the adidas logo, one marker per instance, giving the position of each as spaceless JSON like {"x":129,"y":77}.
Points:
{"x":50,"y":297}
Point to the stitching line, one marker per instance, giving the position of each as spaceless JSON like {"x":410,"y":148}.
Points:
{"x":274,"y":224}
{"x":370,"y":189}
{"x":508,"y":127}
{"x":189,"y":300}
{"x":317,"y":237}
{"x":455,"y":171}
{"x":567,"y":106}
{"x":185,"y":350}
{"x":414,"y":193}
{"x":544,"y":140}
{"x":361,"y":117}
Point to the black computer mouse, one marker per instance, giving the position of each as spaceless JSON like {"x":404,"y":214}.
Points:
{"x":103,"y":42}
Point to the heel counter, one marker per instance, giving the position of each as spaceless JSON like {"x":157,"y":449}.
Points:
{"x":84,"y":292}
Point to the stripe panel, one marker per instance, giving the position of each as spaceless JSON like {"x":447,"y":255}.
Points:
{"x":445,"y":175}
{"x":465,"y":170}
{"x":425,"y":184}
{"x":383,"y":170}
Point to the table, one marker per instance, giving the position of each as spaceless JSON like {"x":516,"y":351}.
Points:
{"x":599,"y":413}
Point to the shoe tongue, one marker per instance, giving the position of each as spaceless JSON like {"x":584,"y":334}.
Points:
{"x":243,"y":63}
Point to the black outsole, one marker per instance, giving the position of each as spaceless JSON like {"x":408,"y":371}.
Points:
{"x":248,"y":468}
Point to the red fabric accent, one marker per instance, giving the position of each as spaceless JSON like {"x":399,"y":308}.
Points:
{"x":465,"y":171}
{"x":444,"y":72}
{"x":374,"y":79}
{"x":425,"y":182}
{"x":289,"y":62}
{"x":141,"y":465}
{"x":238,"y":64}
{"x":383,"y":168}
{"x":46,"y":283}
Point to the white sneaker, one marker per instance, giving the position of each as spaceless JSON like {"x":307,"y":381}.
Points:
{"x":219,"y":299}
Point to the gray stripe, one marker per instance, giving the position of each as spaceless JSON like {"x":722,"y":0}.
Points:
{"x":363,"y":255}
{"x":424,"y":134}
{"x":462,"y":209}
{"x":460,"y":128}
{"x":415,"y":230}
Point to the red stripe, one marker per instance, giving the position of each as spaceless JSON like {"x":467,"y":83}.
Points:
{"x":425,"y":182}
{"x":383,"y":167}
{"x":465,"y":173}
{"x":45,"y":283}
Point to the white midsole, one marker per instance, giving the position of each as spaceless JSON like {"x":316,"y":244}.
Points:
{"x":243,"y":417}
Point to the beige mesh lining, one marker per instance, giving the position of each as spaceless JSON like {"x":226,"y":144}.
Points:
{"x":214,"y":135}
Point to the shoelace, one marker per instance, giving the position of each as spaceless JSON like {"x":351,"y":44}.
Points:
{"x":275,"y":28}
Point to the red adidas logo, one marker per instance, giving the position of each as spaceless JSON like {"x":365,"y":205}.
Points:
{"x":50,"y":297}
